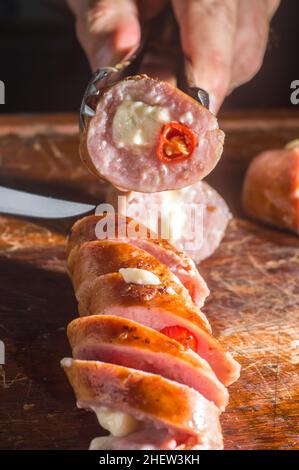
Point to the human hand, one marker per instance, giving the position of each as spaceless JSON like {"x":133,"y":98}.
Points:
{"x":108,"y":30}
{"x":224,"y":41}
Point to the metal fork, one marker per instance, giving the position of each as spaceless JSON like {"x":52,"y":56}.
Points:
{"x":107,"y":76}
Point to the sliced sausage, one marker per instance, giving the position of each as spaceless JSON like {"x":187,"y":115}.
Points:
{"x":155,"y":307}
{"x":148,"y":136}
{"x":124,"y":342}
{"x":271,"y":188}
{"x":149,"y":398}
{"x":194,"y":219}
{"x":177,"y":261}
{"x":97,"y":258}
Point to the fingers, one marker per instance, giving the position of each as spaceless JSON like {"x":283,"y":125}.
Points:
{"x":106,"y":30}
{"x":207,"y":35}
{"x":273,"y":6}
{"x":251,"y":38}
{"x":224,"y":41}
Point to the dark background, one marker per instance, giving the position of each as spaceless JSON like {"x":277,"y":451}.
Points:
{"x":45,"y":70}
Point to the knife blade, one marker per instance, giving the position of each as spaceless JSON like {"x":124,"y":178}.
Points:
{"x":21,"y":203}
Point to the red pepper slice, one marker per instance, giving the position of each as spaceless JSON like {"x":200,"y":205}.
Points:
{"x":176,"y":143}
{"x":182,"y":335}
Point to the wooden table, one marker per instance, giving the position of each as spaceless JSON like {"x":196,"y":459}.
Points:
{"x":253,"y":307}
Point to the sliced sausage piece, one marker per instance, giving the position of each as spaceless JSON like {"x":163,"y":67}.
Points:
{"x":148,"y":136}
{"x":147,"y":293}
{"x":124,"y":342}
{"x":271,"y":188}
{"x":153,"y":306}
{"x":148,"y":398}
{"x":97,"y":258}
{"x":194,"y":219}
{"x":178,"y":262}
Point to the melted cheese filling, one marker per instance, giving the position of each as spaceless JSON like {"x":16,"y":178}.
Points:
{"x":96,"y":443}
{"x":294,"y":144}
{"x":119,"y":424}
{"x":139,"y":276}
{"x":136,"y":123}
{"x":66,"y":362}
{"x":173,"y":217}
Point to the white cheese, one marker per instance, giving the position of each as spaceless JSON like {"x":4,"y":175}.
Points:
{"x":294,"y":144}
{"x":100,"y":443}
{"x":96,"y":443}
{"x":66,"y":362}
{"x":173,"y":217}
{"x":139,"y":276}
{"x":170,"y":290}
{"x":295,"y":193}
{"x":186,"y":118}
{"x":136,"y":123}
{"x":119,"y":424}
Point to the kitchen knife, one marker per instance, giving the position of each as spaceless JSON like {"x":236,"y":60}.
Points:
{"x":21,"y":203}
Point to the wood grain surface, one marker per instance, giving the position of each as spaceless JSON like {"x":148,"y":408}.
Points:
{"x":253,"y":307}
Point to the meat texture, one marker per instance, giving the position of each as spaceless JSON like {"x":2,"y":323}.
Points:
{"x":271,"y":188}
{"x":149,"y":398}
{"x":121,"y":142}
{"x":126,"y":229}
{"x":194,"y":219}
{"x":153,"y":306}
{"x":145,"y":360}
{"x":120,"y":341}
{"x":103,"y":257}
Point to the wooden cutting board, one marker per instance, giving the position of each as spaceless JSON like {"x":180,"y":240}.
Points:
{"x":253,"y":307}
